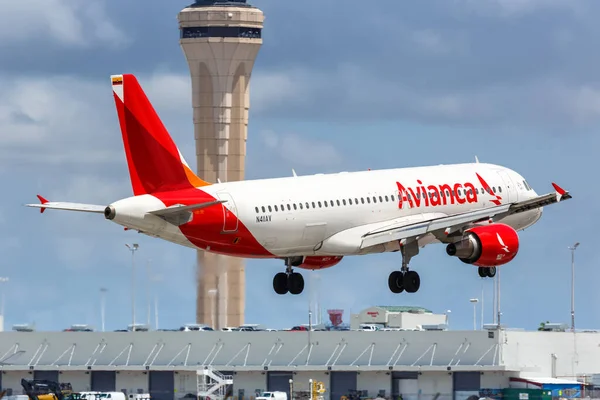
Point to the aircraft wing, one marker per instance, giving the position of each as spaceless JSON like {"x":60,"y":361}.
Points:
{"x":59,"y":205}
{"x":453,"y":223}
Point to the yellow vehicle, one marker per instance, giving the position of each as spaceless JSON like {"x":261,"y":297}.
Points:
{"x":41,"y":389}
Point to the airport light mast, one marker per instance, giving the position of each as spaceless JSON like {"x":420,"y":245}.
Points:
{"x":220,"y":40}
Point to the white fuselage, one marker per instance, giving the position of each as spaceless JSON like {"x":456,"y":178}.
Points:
{"x":324,"y":214}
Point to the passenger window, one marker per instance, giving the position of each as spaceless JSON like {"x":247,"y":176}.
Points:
{"x":494,"y":189}
{"x":313,"y":203}
{"x":325,"y":204}
{"x":270,"y":209}
{"x":362,"y":200}
{"x":289,"y":208}
{"x":332,"y":203}
{"x":374,"y":199}
{"x":392,"y":197}
{"x":294,"y":206}
{"x":319,"y":203}
{"x":355,"y":200}
{"x":256,"y":208}
{"x":338,"y":202}
{"x":368,"y":200}
{"x":307,"y":205}
{"x":300,"y":205}
{"x":386,"y":198}
{"x":344,"y":201}
{"x":350,"y":201}
{"x":275,"y":207}
{"x":263,"y":209}
{"x":500,"y":189}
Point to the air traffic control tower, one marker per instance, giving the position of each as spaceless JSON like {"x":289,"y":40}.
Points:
{"x":220,"y":39}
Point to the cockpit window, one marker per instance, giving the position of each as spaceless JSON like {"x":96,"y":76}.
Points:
{"x":526,"y":185}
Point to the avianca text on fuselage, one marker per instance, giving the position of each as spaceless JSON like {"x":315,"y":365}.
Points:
{"x":439,"y":195}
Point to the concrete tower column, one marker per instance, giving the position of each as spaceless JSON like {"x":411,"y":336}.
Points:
{"x":220,"y":40}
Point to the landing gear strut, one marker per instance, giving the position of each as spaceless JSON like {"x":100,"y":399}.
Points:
{"x":405,"y":279}
{"x":487,"y":272}
{"x":289,"y":281}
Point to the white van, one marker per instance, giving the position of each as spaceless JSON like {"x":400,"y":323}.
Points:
{"x":273,"y":396}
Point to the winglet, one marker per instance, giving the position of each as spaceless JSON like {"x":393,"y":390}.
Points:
{"x":43,"y":201}
{"x":561,"y":194}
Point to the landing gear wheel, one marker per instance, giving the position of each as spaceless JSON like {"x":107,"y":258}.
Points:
{"x":482,"y":272}
{"x":395,"y":282}
{"x":295,"y":283}
{"x":491,"y":272}
{"x":412,"y":281}
{"x":280,"y":283}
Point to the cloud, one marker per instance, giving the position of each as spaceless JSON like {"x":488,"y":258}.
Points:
{"x":518,"y":8}
{"x":304,"y":151}
{"x":69,"y":23}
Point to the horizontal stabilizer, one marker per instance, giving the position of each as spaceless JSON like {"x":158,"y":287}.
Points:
{"x":180,"y":214}
{"x":56,"y":205}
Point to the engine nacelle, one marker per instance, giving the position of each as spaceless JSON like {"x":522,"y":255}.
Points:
{"x":486,"y":246}
{"x":320,"y":262}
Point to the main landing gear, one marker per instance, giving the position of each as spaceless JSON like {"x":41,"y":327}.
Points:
{"x":405,"y":279}
{"x":489,"y":272}
{"x":289,"y":281}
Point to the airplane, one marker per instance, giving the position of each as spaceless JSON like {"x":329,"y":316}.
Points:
{"x":313,"y":222}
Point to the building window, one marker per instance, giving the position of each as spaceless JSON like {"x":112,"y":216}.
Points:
{"x":220,"y":31}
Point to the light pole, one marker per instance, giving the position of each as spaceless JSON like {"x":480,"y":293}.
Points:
{"x":132,"y":248}
{"x":3,"y":279}
{"x":573,"y":248}
{"x":474,"y":302}
{"x":102,"y":305}
{"x":148,"y":293}
{"x":448,"y":319}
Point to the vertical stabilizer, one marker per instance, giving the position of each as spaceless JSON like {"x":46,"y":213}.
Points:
{"x":154,"y":161}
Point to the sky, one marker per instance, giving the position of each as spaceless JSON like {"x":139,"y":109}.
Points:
{"x":337,"y":86}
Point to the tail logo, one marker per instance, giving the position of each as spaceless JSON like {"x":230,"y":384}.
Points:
{"x":488,"y":189}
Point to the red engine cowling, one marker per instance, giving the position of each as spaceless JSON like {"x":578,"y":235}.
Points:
{"x":320,"y":262}
{"x":486,"y":246}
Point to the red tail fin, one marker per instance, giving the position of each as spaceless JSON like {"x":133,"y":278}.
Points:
{"x":155,"y":163}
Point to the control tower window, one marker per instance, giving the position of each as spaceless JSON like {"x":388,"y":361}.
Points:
{"x":220,"y":31}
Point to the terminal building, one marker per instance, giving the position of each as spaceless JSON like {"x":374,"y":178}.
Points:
{"x":426,"y":364}
{"x":398,"y":317}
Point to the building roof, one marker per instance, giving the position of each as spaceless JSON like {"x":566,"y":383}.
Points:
{"x":398,"y":309}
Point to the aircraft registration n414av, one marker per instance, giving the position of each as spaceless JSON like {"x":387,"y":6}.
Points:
{"x":312,"y":222}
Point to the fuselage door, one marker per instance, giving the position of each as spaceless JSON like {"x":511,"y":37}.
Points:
{"x":230,"y":219}
{"x":509,"y":191}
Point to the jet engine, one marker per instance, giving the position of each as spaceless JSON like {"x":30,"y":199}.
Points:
{"x":486,"y":246}
{"x":320,"y":262}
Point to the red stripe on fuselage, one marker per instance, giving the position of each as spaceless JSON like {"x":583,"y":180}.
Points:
{"x":205,"y":230}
